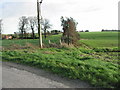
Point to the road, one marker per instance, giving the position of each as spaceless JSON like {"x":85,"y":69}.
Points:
{"x":21,"y":76}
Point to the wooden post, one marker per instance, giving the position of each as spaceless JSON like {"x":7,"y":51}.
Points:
{"x":49,"y":41}
{"x":60,"y":42}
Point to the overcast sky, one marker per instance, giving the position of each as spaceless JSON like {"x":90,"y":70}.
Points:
{"x":93,"y":15}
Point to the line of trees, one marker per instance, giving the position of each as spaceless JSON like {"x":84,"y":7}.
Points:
{"x":30,"y":24}
{"x":70,"y":35}
{"x":110,"y":30}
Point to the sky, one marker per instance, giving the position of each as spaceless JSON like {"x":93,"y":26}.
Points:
{"x":92,"y":15}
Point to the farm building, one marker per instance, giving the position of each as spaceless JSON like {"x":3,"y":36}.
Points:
{"x":7,"y":37}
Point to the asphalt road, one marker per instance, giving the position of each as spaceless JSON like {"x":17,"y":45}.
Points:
{"x":21,"y":76}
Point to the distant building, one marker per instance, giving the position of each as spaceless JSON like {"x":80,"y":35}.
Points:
{"x":7,"y":37}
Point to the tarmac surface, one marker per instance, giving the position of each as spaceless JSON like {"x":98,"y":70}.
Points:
{"x":21,"y":76}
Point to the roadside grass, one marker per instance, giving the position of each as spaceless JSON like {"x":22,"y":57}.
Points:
{"x":95,"y":61}
{"x":69,"y":62}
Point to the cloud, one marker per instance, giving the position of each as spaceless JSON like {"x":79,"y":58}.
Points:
{"x":17,"y":9}
{"x":1,"y":8}
{"x":18,"y":0}
{"x":12,"y":11}
{"x":10,"y":24}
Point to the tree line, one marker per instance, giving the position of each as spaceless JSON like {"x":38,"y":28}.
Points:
{"x":30,"y":23}
{"x":110,"y":30}
{"x":70,"y":35}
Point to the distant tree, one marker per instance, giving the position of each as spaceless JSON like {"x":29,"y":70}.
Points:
{"x":1,"y":28}
{"x":48,"y":33}
{"x":70,"y":34}
{"x":86,"y":30}
{"x":102,"y":30}
{"x":15,"y":35}
{"x":81,"y":31}
{"x":23,"y":25}
{"x":45,"y":25}
{"x":32,"y":24}
{"x":54,"y":32}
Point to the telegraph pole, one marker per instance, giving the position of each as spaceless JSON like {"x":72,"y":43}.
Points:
{"x":39,"y":22}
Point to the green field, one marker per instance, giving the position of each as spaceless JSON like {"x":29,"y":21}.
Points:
{"x":91,"y":39}
{"x":100,"y":39}
{"x":94,"y":61}
{"x":35,"y":42}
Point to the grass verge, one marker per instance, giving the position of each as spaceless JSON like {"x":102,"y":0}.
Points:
{"x":76,"y":63}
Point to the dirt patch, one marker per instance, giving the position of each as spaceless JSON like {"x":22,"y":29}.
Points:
{"x":16,"y":47}
{"x":48,"y":52}
{"x":84,"y":39}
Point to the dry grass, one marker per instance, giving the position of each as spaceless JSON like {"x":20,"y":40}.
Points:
{"x":67,"y":46}
{"x":18,"y":47}
{"x":48,"y":52}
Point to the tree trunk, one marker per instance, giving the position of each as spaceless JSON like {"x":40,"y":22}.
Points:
{"x":33,"y":34}
{"x":45,"y":33}
{"x":22,"y":35}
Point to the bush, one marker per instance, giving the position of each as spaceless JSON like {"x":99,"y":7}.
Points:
{"x":70,"y":35}
{"x":86,"y":30}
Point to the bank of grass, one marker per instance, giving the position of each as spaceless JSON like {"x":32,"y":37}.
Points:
{"x":76,"y":63}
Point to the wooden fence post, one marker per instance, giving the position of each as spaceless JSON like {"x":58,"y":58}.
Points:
{"x":60,"y":42}
{"x":49,"y":41}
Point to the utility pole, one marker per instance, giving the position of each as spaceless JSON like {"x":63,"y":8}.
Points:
{"x":39,"y":22}
{"x":0,"y":28}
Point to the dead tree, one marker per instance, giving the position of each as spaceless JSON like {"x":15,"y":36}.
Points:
{"x":45,"y":25}
{"x":32,"y":24}
{"x":23,"y":24}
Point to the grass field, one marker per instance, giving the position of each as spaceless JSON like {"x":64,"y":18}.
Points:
{"x":95,"y":61}
{"x":91,"y":39}
{"x":100,"y":39}
{"x":8,"y":43}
